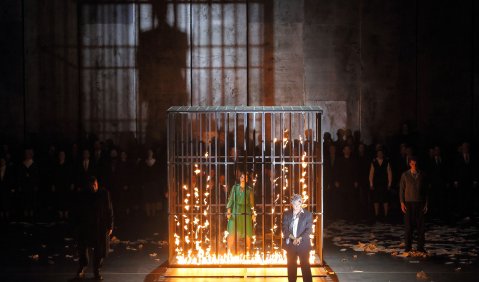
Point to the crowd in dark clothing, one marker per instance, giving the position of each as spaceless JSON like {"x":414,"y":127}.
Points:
{"x":361,"y":182}
{"x":38,"y":184}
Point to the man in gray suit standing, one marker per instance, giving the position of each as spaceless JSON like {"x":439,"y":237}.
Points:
{"x":297,"y":226}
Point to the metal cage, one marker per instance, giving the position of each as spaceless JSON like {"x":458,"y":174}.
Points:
{"x":277,"y":149}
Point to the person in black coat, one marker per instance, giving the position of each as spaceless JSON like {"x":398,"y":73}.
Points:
{"x":151,"y":189}
{"x":124,"y":181}
{"x":297,"y":226}
{"x":346,"y":183}
{"x":28,"y":184}
{"x":6,"y":189}
{"x":331,"y":205}
{"x":94,"y":225}
{"x":466,"y":180}
{"x":62,"y":184}
{"x":437,"y":171}
{"x":380,"y":182}
{"x":363,"y":164}
{"x":85,"y":169}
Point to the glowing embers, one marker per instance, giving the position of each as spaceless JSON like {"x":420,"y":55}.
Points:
{"x":198,"y":245}
{"x":276,"y":258}
{"x":209,"y":149}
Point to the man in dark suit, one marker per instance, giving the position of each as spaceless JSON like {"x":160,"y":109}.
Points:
{"x":94,"y":225}
{"x":466,"y":181}
{"x":437,"y":175}
{"x":346,"y":183}
{"x":86,"y":168}
{"x":297,"y":226}
{"x":6,"y":189}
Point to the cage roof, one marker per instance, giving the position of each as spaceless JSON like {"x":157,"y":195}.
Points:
{"x":244,"y":109}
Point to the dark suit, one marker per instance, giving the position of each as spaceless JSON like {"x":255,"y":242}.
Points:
{"x":93,"y":219}
{"x":6,"y":189}
{"x":437,"y":173}
{"x":84,"y":173}
{"x":346,"y":173}
{"x":28,"y":183}
{"x":304,"y":229}
{"x":466,"y":175}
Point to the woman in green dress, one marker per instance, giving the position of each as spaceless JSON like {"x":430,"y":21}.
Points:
{"x":240,"y":214}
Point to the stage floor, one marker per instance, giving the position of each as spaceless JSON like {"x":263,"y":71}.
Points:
{"x":237,"y":274}
{"x":46,"y":252}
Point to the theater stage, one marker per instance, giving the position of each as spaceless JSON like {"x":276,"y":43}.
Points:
{"x":140,"y":256}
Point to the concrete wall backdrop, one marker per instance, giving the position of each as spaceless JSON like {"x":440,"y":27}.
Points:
{"x":114,"y":67}
{"x":11,"y":71}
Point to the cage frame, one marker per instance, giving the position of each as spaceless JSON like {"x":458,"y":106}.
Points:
{"x":233,"y":111}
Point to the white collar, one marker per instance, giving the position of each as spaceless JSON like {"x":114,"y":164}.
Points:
{"x":300,"y":212}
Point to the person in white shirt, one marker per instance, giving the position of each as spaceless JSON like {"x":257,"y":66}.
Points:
{"x":297,"y":226}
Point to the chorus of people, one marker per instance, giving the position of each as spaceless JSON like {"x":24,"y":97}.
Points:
{"x":42,"y":183}
{"x":360,"y":181}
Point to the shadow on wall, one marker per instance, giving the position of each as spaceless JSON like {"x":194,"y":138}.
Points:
{"x":161,"y":62}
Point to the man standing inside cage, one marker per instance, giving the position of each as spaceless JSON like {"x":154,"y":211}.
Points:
{"x":413,"y":197}
{"x":297,"y":226}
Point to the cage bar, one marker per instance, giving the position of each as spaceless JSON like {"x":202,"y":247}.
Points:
{"x":278,"y":151}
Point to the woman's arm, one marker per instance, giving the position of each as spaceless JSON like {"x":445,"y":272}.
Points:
{"x":231,"y":202}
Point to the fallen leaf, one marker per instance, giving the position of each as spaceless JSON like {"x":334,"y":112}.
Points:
{"x":34,"y":257}
{"x":422,"y":275}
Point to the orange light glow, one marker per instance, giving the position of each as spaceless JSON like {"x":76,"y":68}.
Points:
{"x":193,"y":241}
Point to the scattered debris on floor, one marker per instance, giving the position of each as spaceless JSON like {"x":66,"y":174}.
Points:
{"x":456,"y":244}
{"x":114,"y":240}
{"x":34,"y":257}
{"x":422,"y":275}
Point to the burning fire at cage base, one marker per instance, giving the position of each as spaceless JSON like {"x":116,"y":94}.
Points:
{"x":194,"y":246}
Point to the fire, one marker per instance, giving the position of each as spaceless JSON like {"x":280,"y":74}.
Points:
{"x":194,"y":245}
{"x":206,"y":258}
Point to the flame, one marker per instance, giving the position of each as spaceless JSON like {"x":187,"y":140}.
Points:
{"x":193,"y":243}
{"x":257,"y":258}
{"x":197,"y":170}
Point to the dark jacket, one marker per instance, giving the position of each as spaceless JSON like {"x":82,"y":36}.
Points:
{"x":93,"y":219}
{"x":7,"y":188}
{"x":438,"y":172}
{"x":465,"y":173}
{"x":305,"y":228}
{"x":83,"y":175}
{"x":346,"y":172}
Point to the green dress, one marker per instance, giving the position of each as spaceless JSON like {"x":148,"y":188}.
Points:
{"x":241,"y":214}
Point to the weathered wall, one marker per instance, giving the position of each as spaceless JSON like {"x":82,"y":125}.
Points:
{"x":332,"y":64}
{"x":11,"y":71}
{"x":446,"y":67}
{"x":51,"y":69}
{"x":372,"y":64}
